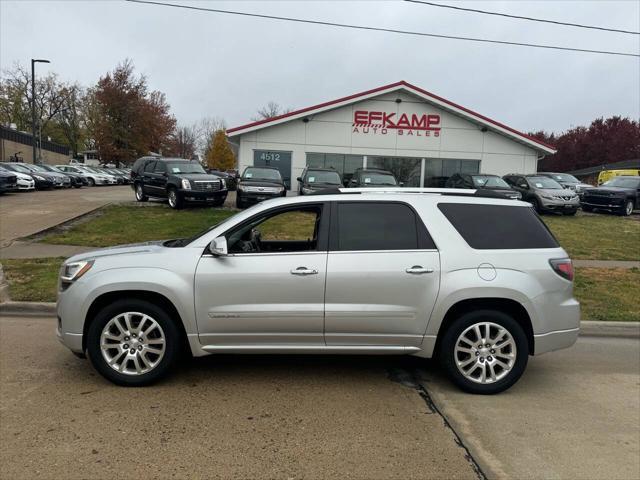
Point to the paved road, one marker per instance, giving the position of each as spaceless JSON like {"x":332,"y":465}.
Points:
{"x":26,"y":213}
{"x":217,"y":417}
{"x":574,"y":414}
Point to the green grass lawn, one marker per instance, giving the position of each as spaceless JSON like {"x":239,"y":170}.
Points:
{"x":117,"y":225}
{"x":608,"y":293}
{"x":597,"y":237}
{"x":32,"y":279}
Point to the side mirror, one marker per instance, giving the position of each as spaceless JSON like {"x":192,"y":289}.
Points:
{"x":299,"y":179}
{"x":524,"y":185}
{"x":401,"y":184}
{"x":218,"y":247}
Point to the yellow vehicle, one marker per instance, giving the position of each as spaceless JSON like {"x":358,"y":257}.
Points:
{"x":609,"y":174}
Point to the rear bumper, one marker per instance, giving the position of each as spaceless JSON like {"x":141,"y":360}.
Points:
{"x":548,"y":342}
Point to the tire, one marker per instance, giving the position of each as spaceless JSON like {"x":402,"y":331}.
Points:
{"x":570,"y":213}
{"x":92,"y":182}
{"x":627,"y":209}
{"x":239,"y":202}
{"x":140,"y":196}
{"x":472,"y":381}
{"x":128,"y":369}
{"x":175,"y":200}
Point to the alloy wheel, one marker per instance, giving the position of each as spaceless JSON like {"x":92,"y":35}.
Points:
{"x":139,"y":193}
{"x":628,"y":208}
{"x":132,"y":343}
{"x":485,"y":352}
{"x":173,"y":199}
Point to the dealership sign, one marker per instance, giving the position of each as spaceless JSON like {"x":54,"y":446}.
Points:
{"x":365,"y":121}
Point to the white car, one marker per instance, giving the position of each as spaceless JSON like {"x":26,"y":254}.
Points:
{"x":24,"y":181}
{"x":94,"y":178}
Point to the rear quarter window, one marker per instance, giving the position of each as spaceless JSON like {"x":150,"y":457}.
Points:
{"x":496,"y":227}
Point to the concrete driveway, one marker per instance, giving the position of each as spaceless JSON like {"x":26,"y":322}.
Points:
{"x":216,"y":417}
{"x":26,"y":213}
{"x":574,"y":414}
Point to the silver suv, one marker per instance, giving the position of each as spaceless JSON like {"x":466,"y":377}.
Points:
{"x":478,"y":282}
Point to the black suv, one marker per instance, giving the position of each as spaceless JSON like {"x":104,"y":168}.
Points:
{"x":483,"y":181}
{"x":372,"y":177}
{"x":8,"y":182}
{"x":620,"y":195}
{"x":259,"y":183}
{"x":176,"y":179}
{"x":314,"y":179}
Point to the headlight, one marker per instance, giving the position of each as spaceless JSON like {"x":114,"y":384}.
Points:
{"x":280,"y":189}
{"x":307,"y":190}
{"x":240,"y":187}
{"x":548,"y":197}
{"x":223,"y":184}
{"x":186,"y":185}
{"x":70,"y":272}
{"x":38,"y":177}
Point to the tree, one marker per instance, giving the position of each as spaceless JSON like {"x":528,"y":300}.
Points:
{"x":127,"y":120}
{"x":270,"y":110}
{"x":604,"y":141}
{"x":184,"y":141}
{"x":207,"y":127}
{"x":220,"y":156}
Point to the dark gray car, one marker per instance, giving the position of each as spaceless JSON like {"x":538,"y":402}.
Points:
{"x":544,"y":193}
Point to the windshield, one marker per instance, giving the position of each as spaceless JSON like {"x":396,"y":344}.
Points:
{"x":489,"y":181}
{"x":624,"y":182}
{"x":252,"y":173}
{"x":565,"y":177}
{"x":184,"y":167}
{"x":376,"y":178}
{"x":319,"y":176}
{"x":18,"y":168}
{"x":545,"y":182}
{"x":47,"y":168}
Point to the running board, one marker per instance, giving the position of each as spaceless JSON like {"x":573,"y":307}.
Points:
{"x":317,"y":349}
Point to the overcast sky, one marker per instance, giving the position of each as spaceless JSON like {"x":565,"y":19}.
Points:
{"x":221,"y":65}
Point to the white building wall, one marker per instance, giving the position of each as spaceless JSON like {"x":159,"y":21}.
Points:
{"x":333,"y":132}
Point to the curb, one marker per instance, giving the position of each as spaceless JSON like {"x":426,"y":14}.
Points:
{"x":27,"y":309}
{"x":587,"y":328}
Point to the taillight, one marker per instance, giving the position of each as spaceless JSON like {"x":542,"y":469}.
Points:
{"x":563,"y":267}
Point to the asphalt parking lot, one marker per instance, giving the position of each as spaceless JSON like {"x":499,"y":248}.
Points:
{"x":573,"y":414}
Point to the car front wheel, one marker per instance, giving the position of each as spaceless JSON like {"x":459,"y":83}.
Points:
{"x":92,"y":182}
{"x":484,"y":352}
{"x":140,"y":196}
{"x":132,"y":342}
{"x":627,"y":209}
{"x":175,"y":200}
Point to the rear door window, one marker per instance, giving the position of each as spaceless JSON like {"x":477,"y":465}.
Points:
{"x":379,"y":226}
{"x":496,"y":227}
{"x":149,"y":166}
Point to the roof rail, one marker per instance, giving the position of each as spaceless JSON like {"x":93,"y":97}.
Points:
{"x":480,"y":192}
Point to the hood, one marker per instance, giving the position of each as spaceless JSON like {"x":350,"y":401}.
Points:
{"x":612,"y":190}
{"x":261,"y":183}
{"x":132,"y":248}
{"x":553,"y":192}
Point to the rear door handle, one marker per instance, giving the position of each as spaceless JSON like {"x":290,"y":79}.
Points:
{"x":304,"y":271}
{"x":418,"y":270}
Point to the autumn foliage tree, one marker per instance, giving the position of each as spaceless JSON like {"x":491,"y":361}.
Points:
{"x":128,"y":120}
{"x":604,"y":141}
{"x":220,"y":156}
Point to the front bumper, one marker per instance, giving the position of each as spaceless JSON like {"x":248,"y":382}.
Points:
{"x":257,"y":197}
{"x":26,"y":184}
{"x":613,"y":203}
{"x":560,"y":205}
{"x":73,"y":341}
{"x":204,"y":197}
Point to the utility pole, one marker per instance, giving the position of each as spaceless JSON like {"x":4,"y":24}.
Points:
{"x":33,"y":103}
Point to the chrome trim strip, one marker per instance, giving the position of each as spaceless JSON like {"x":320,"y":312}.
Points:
{"x":374,"y":349}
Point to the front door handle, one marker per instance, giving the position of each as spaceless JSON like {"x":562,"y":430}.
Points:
{"x":418,"y":270}
{"x":304,"y":271}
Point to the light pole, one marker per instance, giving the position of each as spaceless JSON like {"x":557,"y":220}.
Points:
{"x":33,"y":102}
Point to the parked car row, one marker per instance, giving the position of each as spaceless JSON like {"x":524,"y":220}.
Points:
{"x":17,"y":176}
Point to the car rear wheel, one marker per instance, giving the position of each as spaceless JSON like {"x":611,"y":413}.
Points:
{"x":175,"y":200}
{"x":484,"y":352}
{"x":132,"y":342}
{"x":140,"y":196}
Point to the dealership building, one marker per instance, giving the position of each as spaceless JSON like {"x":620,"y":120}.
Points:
{"x":420,"y":137}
